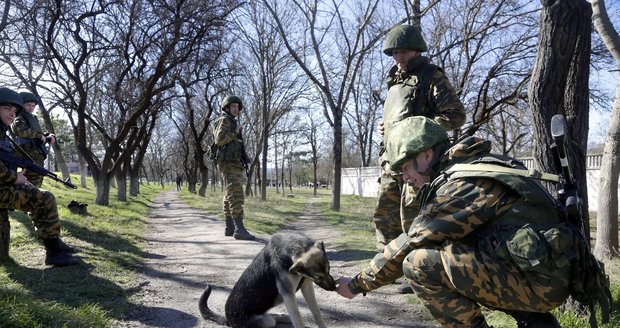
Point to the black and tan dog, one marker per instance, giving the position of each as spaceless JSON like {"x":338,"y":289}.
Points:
{"x":289,"y":262}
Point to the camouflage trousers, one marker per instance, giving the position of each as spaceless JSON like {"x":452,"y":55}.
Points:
{"x":454,"y":280}
{"x":40,"y":204}
{"x":39,"y":159}
{"x":396,"y":208}
{"x":233,"y":177}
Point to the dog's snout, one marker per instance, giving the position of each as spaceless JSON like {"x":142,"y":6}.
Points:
{"x":328,"y":283}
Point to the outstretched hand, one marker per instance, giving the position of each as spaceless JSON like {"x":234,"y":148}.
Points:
{"x":343,"y":287}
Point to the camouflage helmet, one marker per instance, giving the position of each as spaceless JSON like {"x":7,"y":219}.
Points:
{"x":410,"y":137}
{"x":229,"y":100}
{"x":29,"y":97}
{"x":404,"y":37}
{"x":8,"y":96}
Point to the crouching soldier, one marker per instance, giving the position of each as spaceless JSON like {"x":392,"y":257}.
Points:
{"x":16,"y":192}
{"x":483,"y":236}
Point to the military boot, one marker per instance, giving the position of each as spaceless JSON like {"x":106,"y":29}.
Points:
{"x":230,"y":226}
{"x":55,"y":255}
{"x":240,"y":231}
{"x":66,"y":247}
{"x":534,"y":319}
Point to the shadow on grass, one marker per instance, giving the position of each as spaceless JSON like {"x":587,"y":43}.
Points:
{"x":351,"y":255}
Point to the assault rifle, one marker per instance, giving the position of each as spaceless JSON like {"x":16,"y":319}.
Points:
{"x":568,"y":190}
{"x":592,"y":281}
{"x":245,"y":159}
{"x":17,"y":161}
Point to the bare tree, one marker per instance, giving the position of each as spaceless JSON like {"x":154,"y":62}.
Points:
{"x":330,"y":56}
{"x":559,"y":85}
{"x":607,"y":214}
{"x":271,"y":75}
{"x":155,"y":37}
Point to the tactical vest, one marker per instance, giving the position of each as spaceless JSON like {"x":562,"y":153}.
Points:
{"x":230,"y":152}
{"x":409,"y":97}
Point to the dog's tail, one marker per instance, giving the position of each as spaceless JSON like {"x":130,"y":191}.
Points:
{"x":206,"y":313}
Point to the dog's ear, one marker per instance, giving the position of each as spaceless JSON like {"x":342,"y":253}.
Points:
{"x":320,"y":245}
{"x":298,"y":267}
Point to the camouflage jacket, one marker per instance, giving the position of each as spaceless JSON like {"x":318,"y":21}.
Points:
{"x":226,"y":138}
{"x":7,"y":175}
{"x":466,"y":209}
{"x":423,"y":90}
{"x":28,"y":133}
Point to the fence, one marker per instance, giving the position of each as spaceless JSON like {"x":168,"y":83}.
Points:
{"x":363,"y":181}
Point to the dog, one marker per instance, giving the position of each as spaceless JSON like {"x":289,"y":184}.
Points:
{"x":288,"y":263}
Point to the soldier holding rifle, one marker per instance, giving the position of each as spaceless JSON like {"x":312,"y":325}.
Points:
{"x":16,"y":192}
{"x":231,"y":159}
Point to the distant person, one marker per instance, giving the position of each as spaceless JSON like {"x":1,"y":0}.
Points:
{"x":179,"y":182}
{"x":415,"y":88}
{"x":230,"y":158}
{"x":16,"y":192}
{"x":30,"y":136}
{"x":487,"y":233}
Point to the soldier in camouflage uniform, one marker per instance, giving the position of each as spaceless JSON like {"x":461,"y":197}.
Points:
{"x":30,"y":137}
{"x":487,"y":233}
{"x":16,"y":192}
{"x":231,"y":160}
{"x":415,"y":87}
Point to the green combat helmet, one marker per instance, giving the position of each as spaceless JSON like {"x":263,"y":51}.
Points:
{"x":29,"y":97}
{"x":412,"y":136}
{"x":404,"y":37}
{"x":8,"y":96}
{"x":229,"y":100}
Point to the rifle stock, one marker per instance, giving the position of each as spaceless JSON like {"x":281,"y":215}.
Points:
{"x":10,"y":158}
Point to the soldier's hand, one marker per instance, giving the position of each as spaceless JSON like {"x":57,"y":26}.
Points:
{"x":21,"y":178}
{"x":381,"y":128}
{"x":51,"y":138}
{"x":343,"y":287}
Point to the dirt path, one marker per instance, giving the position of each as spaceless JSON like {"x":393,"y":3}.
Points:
{"x":186,"y":249}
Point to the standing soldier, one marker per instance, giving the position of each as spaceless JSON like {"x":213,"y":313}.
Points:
{"x":231,"y":160}
{"x":16,"y":192}
{"x":415,"y":88}
{"x":30,"y":137}
{"x":487,"y":233}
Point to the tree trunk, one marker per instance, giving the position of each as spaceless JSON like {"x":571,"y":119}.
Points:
{"x":559,"y":85}
{"x":102,"y":195}
{"x":83,"y":170}
{"x":337,"y":151}
{"x":607,"y":217}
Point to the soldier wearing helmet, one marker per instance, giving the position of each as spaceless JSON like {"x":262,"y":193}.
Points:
{"x":16,"y":192}
{"x":231,"y":159}
{"x":472,"y":242}
{"x":415,"y":88}
{"x":30,"y":136}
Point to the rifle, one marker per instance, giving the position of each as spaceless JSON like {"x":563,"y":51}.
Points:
{"x":568,"y":190}
{"x":593,"y":283}
{"x":17,"y":161}
{"x":245,"y":159}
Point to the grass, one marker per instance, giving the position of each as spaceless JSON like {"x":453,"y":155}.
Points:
{"x":111,"y":241}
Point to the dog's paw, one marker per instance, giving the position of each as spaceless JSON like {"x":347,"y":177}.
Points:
{"x":281,"y":317}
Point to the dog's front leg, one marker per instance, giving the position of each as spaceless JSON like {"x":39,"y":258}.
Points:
{"x":307,"y":290}
{"x":286,"y":287}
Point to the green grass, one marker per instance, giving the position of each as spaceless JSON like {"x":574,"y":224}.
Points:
{"x":111,"y":242}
